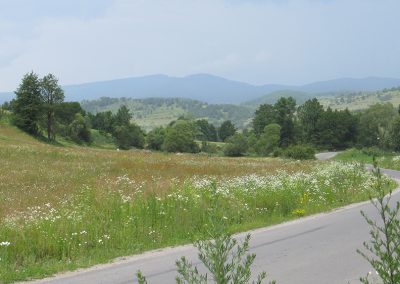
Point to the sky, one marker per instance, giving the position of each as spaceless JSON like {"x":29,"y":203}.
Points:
{"x":254,"y":41}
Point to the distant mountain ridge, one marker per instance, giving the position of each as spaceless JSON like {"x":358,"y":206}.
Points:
{"x":209,"y":88}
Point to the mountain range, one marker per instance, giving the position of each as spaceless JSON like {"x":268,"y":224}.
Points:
{"x":211,"y":89}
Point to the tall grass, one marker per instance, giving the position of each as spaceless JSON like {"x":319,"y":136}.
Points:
{"x":94,"y":226}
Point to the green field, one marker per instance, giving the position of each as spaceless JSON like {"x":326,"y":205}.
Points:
{"x":64,"y":207}
{"x":386,"y":160}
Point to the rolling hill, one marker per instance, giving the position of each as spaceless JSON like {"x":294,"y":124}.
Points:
{"x":362,"y":100}
{"x":152,"y":112}
{"x":209,"y":88}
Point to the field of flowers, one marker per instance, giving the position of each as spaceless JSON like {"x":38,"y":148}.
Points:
{"x":63,"y":208}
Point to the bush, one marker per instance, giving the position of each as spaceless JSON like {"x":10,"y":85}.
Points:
{"x":155,"y":138}
{"x":236,"y":146}
{"x":299,"y":152}
{"x":79,"y":130}
{"x":180,"y":138}
{"x":128,"y":136}
{"x":209,"y":148}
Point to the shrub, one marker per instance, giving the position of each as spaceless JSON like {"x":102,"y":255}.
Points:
{"x":180,"y":138}
{"x":207,"y":147}
{"x":79,"y":129}
{"x":127,"y":136}
{"x":269,"y":139}
{"x":299,"y":152}
{"x":236,"y":146}
{"x":155,"y":138}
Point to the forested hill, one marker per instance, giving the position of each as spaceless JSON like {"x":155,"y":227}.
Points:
{"x":152,"y":112}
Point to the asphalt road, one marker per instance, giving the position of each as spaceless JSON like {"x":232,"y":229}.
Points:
{"x":318,"y":249}
{"x":326,"y":155}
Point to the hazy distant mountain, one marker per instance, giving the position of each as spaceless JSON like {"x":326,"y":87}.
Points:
{"x":208,"y":88}
{"x":203,"y":87}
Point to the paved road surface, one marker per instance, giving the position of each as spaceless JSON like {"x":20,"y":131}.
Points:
{"x":326,"y":155}
{"x":315,"y":250}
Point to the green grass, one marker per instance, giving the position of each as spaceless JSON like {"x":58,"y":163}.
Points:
{"x":67,"y":207}
{"x":386,"y":160}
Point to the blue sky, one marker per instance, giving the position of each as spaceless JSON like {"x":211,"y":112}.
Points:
{"x":271,"y":41}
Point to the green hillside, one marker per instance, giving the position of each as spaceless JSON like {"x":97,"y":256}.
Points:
{"x":362,"y":100}
{"x":152,"y":112}
{"x":271,"y":98}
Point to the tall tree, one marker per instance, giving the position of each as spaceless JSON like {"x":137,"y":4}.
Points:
{"x":309,"y":114}
{"x":207,"y":130}
{"x":52,"y":95}
{"x":285,"y":109}
{"x":123,"y":116}
{"x":226,"y":130}
{"x":27,"y":105}
{"x":263,"y":116}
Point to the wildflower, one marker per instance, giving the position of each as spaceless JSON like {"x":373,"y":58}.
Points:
{"x":5,"y":244}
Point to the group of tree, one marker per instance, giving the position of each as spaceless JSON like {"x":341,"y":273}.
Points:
{"x":282,"y":128}
{"x":126,"y":133}
{"x":39,"y":107}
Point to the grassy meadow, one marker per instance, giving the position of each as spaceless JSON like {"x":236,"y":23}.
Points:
{"x":386,"y":160}
{"x":64,"y":207}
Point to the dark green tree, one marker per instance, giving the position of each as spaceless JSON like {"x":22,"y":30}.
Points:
{"x":337,"y":129}
{"x":123,"y":116}
{"x":155,"y":138}
{"x":103,"y":121}
{"x":207,"y":131}
{"x":309,"y":114}
{"x":226,"y":130}
{"x":127,"y":136}
{"x":28,"y":104}
{"x":263,"y":116}
{"x":285,"y":109}
{"x":65,"y":112}
{"x":52,"y":95}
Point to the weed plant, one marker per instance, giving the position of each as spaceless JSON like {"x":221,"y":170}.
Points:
{"x":383,"y":249}
{"x":226,"y":261}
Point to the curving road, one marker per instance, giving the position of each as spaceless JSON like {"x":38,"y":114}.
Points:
{"x":314,"y":250}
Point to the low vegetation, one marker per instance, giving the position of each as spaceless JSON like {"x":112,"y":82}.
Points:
{"x":386,"y":159}
{"x":226,"y":260}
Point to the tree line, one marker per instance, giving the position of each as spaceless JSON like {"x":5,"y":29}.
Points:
{"x":280,"y":129}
